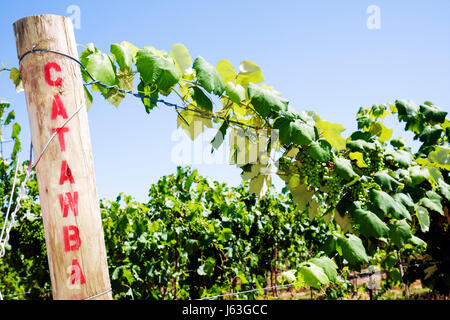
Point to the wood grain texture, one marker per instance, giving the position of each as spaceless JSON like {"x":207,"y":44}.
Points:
{"x":56,"y":33}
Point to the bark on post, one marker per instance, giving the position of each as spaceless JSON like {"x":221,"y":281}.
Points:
{"x":67,"y":188}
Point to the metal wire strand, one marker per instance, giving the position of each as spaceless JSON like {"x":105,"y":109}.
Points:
{"x":99,"y":295}
{"x":249,"y":291}
{"x":206,"y":115}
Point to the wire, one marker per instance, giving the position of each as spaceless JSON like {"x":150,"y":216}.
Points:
{"x":2,"y":247}
{"x":53,"y":136}
{"x":99,"y":295}
{"x":252,"y":290}
{"x":131,"y":92}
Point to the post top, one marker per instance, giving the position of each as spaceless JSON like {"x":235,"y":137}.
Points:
{"x":48,"y":31}
{"x":48,"y":16}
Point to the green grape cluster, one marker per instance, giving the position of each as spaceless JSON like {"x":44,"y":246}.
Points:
{"x":374,"y":161}
{"x":310,"y":170}
{"x":377,"y":163}
{"x":334,"y":185}
{"x":367,"y":159}
{"x":358,"y":192}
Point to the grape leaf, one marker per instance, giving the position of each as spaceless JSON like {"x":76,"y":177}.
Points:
{"x":302,"y":133}
{"x":123,"y":55}
{"x":132,"y":48}
{"x":432,"y":113}
{"x":360,"y":145}
{"x":10,"y":117}
{"x":283,"y":126}
{"x":100,"y":67}
{"x":440,"y":157}
{"x":301,"y":195}
{"x":370,"y":224}
{"x":249,"y":72}
{"x":208,"y":77}
{"x":417,"y":241}
{"x":320,"y":150}
{"x":387,"y":204}
{"x":418,"y":174}
{"x":383,"y":133}
{"x":444,"y":188}
{"x":343,"y":220}
{"x":313,"y":207}
{"x":358,"y":156}
{"x":200,"y":98}
{"x":289,"y":276}
{"x":332,"y":133}
{"x":265,"y":101}
{"x":15,"y":131}
{"x":406,"y":108}
{"x":207,"y":268}
{"x":431,"y":134}
{"x":424,"y":218}
{"x":353,"y":250}
{"x":432,"y":201}
{"x":235,"y":93}
{"x":158,"y":69}
{"x":400,"y":232}
{"x":344,"y":169}
{"x":405,"y":199}
{"x":386,"y":181}
{"x":14,"y":75}
{"x":88,"y":98}
{"x":313,"y":275}
{"x":182,"y":59}
{"x":404,"y":158}
{"x":218,"y":139}
{"x":328,"y":266}
{"x":149,"y":91}
{"x":260,"y":184}
{"x":226,"y":71}
{"x":125,"y":82}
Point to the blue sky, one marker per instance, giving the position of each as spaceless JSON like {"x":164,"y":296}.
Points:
{"x":319,"y":54}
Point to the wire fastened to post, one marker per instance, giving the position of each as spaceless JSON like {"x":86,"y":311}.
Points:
{"x":54,"y":135}
{"x":99,"y":295}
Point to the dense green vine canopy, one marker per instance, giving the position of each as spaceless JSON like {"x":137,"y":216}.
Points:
{"x":376,"y":188}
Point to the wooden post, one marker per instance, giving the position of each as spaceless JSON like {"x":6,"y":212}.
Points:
{"x":67,"y":189}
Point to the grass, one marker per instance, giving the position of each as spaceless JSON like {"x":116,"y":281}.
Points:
{"x":398,"y":294}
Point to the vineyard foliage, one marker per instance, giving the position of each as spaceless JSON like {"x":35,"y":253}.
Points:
{"x":374,"y":187}
{"x":374,"y":199}
{"x":193,"y":238}
{"x":202,"y":238}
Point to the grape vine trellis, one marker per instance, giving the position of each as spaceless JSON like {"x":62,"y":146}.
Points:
{"x":380,"y":194}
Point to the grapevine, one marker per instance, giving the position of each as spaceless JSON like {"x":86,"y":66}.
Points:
{"x":379,"y":192}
